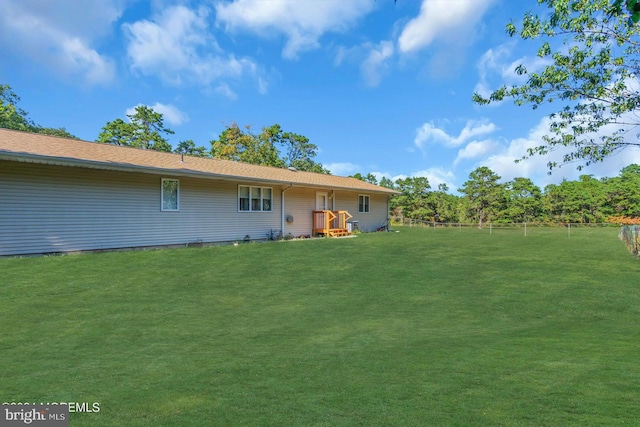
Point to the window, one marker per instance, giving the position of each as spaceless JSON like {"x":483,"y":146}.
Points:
{"x":254,"y":199}
{"x":170,"y":194}
{"x":363,"y":203}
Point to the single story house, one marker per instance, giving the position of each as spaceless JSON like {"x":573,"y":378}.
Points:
{"x":62,"y":195}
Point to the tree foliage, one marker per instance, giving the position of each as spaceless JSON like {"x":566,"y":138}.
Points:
{"x":14,"y":117}
{"x":189,"y":148}
{"x":485,"y":195}
{"x":524,"y":200}
{"x":370,"y":178}
{"x":265,"y":148}
{"x":580,"y":201}
{"x":484,"y":198}
{"x":11,"y":116}
{"x":593,"y":72}
{"x":244,"y":146}
{"x":413,"y":198}
{"x":145,"y":130}
{"x":623,"y":192}
{"x":300,"y":153}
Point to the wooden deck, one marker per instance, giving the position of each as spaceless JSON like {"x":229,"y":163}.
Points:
{"x":331,"y":223}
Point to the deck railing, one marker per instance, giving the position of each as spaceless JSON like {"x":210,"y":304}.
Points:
{"x":330,"y":223}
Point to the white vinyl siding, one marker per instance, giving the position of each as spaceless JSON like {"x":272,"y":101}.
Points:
{"x":255,"y":199}
{"x":300,"y":204}
{"x":364,"y":203}
{"x":46,"y":208}
{"x":170,"y":194}
{"x":349,"y":201}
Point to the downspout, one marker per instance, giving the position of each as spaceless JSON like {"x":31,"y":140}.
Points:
{"x":282,"y":209}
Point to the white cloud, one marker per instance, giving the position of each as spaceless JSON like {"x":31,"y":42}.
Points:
{"x":263,"y":86}
{"x":342,"y":53}
{"x":224,"y":90}
{"x":446,"y":20}
{"x":429,"y":133}
{"x":373,"y":59}
{"x":376,"y":62}
{"x":342,"y":169}
{"x":475,"y":149}
{"x":494,"y":59}
{"x":61,"y":36}
{"x":171,"y":114}
{"x":437,"y":176}
{"x":535,"y":168}
{"x":177,"y":46}
{"x":495,"y":69}
{"x":301,"y":22}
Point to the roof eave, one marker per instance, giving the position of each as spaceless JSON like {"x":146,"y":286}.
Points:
{"x":126,"y":167}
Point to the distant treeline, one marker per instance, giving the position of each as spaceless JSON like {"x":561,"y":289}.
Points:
{"x":485,"y":199}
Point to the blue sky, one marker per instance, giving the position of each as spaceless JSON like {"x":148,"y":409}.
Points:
{"x":379,"y":87}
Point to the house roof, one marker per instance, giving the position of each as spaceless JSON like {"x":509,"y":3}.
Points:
{"x":37,"y":148}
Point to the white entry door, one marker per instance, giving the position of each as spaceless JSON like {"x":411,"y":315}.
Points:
{"x":322,"y":201}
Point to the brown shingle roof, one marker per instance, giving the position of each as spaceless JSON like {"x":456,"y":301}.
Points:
{"x":37,"y":148}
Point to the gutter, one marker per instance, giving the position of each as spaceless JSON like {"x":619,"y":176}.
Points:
{"x":388,"y":207}
{"x":282,"y":209}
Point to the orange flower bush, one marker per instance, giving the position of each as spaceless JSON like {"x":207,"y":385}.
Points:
{"x":623,"y":220}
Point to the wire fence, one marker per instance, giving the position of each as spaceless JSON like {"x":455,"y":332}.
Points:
{"x":520,"y":227}
{"x":630,"y":235}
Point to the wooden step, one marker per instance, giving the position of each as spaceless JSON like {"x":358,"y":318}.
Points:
{"x":339,"y":232}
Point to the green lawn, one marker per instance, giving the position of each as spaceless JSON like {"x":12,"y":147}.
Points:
{"x":422,"y":327}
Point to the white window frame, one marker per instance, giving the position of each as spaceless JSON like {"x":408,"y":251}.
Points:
{"x":366,"y":206}
{"x":162,"y":208}
{"x":262,"y":198}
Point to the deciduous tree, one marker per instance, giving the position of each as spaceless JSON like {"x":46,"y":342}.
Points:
{"x":579,"y":201}
{"x":14,"y":117}
{"x":593,"y":62}
{"x":264,"y":148}
{"x":244,"y":146}
{"x":524,"y":200}
{"x":623,"y":192}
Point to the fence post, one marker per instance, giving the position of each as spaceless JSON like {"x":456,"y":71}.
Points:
{"x":525,"y":229}
{"x":569,"y":228}
{"x":490,"y":229}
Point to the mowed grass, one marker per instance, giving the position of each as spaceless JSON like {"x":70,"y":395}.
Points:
{"x":422,"y":327}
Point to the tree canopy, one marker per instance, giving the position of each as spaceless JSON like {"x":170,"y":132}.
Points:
{"x":14,"y":117}
{"x":189,"y":148}
{"x":145,"y":129}
{"x":265,"y":148}
{"x":591,"y":48}
{"x":486,"y":199}
{"x":484,"y":194}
